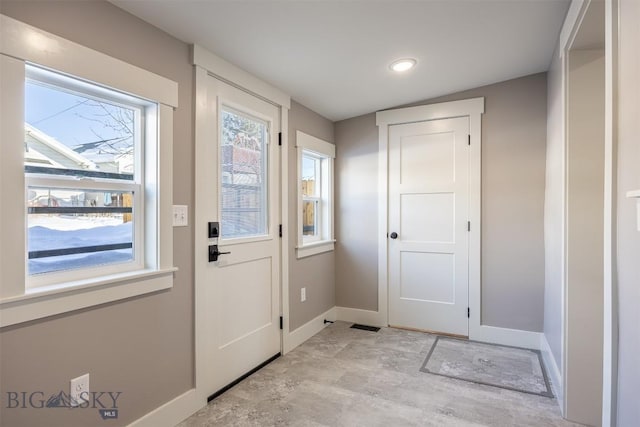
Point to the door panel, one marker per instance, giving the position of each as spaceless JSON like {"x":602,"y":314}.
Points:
{"x":428,"y":277}
{"x":436,"y":226}
{"x":425,"y":159}
{"x":255,"y":293}
{"x":428,"y":209}
{"x":243,"y":285}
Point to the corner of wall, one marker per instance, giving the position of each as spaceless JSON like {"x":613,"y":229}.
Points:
{"x":553,"y":371}
{"x":306,"y":331}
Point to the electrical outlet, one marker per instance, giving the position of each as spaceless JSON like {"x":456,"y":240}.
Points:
{"x":303,"y":294}
{"x":180,"y":215}
{"x":79,"y":390}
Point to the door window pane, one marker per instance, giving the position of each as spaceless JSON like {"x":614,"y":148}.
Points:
{"x":243,"y":157}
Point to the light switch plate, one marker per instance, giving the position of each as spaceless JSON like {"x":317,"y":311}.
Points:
{"x":303,"y":294}
{"x":180,"y":215}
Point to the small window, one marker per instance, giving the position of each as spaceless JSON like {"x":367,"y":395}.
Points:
{"x":315,"y":181}
{"x":84,"y":177}
{"x":311,"y":196}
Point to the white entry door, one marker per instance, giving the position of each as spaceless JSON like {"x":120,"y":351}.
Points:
{"x":238,"y":187}
{"x":428,"y":225}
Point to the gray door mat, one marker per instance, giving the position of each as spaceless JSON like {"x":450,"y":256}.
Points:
{"x":511,"y":368}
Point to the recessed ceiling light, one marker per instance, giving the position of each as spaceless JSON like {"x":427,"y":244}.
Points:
{"x":402,"y":65}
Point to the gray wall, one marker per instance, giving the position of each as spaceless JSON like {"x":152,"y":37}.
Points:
{"x":554,"y":212}
{"x":628,"y":255}
{"x":357,"y":213}
{"x":513,"y":175}
{"x":317,"y":272}
{"x":585,"y":242}
{"x":142,"y":347}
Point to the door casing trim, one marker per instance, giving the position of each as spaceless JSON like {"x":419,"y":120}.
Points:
{"x":473,"y":109}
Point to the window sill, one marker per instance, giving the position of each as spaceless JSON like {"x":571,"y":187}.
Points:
{"x":52,"y":300}
{"x":314,"y":248}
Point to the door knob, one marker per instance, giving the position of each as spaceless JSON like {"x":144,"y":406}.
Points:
{"x":214,"y":253}
{"x":393,"y":235}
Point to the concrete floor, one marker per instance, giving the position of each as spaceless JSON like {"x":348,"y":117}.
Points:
{"x":350,"y":377}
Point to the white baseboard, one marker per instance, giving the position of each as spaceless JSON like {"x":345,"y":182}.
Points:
{"x":555,"y":377}
{"x":306,"y":331}
{"x":172,"y":412}
{"x":490,"y":334}
{"x":505,"y":336}
{"x":365,"y":317}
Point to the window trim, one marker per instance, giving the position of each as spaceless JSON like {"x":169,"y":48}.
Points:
{"x":325,"y":151}
{"x":20,"y":44}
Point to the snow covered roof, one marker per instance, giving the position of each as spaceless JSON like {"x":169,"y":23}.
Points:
{"x":43,"y":150}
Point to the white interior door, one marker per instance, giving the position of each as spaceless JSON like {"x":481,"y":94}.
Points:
{"x":428,"y":225}
{"x":243,"y":285}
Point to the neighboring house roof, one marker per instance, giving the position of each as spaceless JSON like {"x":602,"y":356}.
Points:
{"x":44,"y":150}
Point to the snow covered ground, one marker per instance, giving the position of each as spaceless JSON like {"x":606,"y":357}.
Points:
{"x":68,"y":222}
{"x":48,"y":232}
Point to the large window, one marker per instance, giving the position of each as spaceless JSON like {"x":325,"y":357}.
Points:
{"x":85,"y":176}
{"x":315,"y":195}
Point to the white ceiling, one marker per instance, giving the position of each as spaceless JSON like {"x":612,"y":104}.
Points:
{"x":333,"y":56}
